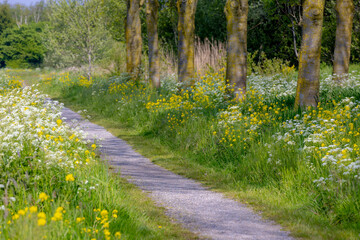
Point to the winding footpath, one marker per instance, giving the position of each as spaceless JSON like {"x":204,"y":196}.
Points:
{"x":204,"y":212}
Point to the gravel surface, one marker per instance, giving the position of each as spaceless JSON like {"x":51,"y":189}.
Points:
{"x":204,"y":212}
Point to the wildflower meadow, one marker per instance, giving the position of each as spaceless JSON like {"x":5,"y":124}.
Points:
{"x":52,"y":183}
{"x":305,"y":160}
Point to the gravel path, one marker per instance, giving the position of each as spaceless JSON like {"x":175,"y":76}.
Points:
{"x":206,"y":213}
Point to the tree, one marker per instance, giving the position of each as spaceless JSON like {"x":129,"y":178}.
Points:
{"x":236,"y":68}
{"x":344,"y":15}
{"x":76,"y":34}
{"x":133,"y":38}
{"x":152,"y":7}
{"x":308,"y":86}
{"x":210,"y":20}
{"x":186,"y":32}
{"x":6,"y":20}
{"x":114,"y":16}
{"x":21,"y":47}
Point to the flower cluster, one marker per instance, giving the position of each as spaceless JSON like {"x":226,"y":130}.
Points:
{"x":329,"y":134}
{"x":85,"y":82}
{"x":43,"y":162}
{"x":245,"y":121}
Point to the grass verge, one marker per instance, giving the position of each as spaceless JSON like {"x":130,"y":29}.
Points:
{"x":231,"y":148}
{"x":53,"y":186}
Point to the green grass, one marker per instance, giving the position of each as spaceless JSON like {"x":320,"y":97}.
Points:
{"x":189,"y":142}
{"x":58,"y":176}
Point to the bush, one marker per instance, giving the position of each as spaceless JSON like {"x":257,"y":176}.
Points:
{"x":22,"y":47}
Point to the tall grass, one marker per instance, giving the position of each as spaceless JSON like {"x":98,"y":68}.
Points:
{"x":307,"y":161}
{"x":53,"y":186}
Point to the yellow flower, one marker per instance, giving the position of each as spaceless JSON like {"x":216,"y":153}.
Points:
{"x":106,"y":232}
{"x":57,"y":216}
{"x":41,"y":222}
{"x":104,"y":213}
{"x":58,"y":122}
{"x":33,"y":209}
{"x":59,"y":209}
{"x":69,"y":178}
{"x":118,"y":235}
{"x":16,"y":216}
{"x":43,"y":196}
{"x":21,"y":212}
{"x":93,"y":146}
{"x":78,"y":220}
{"x":41,"y":215}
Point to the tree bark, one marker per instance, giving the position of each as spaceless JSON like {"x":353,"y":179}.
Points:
{"x":308,"y":86}
{"x":133,"y":38}
{"x":236,"y":69}
{"x":344,"y":19}
{"x":186,"y":31}
{"x":152,"y":7}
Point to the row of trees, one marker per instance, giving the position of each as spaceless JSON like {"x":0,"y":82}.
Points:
{"x":236,"y":15}
{"x":59,"y":33}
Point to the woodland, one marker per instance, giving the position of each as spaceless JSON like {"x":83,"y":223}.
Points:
{"x":256,"y":99}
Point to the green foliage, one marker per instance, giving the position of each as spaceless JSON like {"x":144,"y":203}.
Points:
{"x":22,"y":47}
{"x":115,"y":59}
{"x":5,"y":17}
{"x":114,"y":13}
{"x":167,"y":23}
{"x":76,"y":33}
{"x":260,"y":145}
{"x":53,"y":185}
{"x":210,"y":19}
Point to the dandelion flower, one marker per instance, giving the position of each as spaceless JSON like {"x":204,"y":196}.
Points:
{"x":33,"y":209}
{"x":43,"y":196}
{"x":41,"y":222}
{"x":41,"y":215}
{"x":69,"y":178}
{"x":118,"y":235}
{"x":104,"y":213}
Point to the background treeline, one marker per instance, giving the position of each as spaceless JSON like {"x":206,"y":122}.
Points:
{"x":40,"y":35}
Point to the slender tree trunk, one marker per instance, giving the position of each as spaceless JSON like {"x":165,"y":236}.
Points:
{"x":152,"y":7}
{"x":236,"y":69}
{"x":133,"y":38}
{"x":186,"y":31}
{"x":294,"y":38}
{"x":90,"y":65}
{"x":308,"y":86}
{"x":344,"y":16}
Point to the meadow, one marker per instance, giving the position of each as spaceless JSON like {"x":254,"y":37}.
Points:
{"x":54,"y":186}
{"x":300,"y":168}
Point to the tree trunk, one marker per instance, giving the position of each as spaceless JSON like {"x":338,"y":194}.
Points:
{"x":308,"y":86}
{"x":186,"y":31}
{"x":90,"y":66}
{"x":294,"y":38}
{"x":152,"y":7}
{"x":344,"y":16}
{"x":236,"y":69}
{"x":133,"y":38}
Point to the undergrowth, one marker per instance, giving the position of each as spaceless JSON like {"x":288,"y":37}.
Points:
{"x":306,"y":162}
